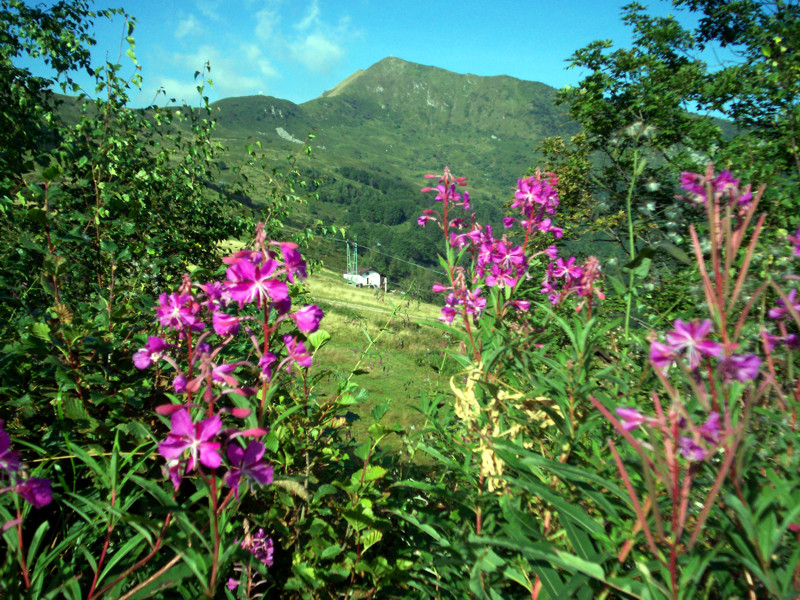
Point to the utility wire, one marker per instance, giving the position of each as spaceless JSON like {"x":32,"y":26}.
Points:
{"x":373,"y":250}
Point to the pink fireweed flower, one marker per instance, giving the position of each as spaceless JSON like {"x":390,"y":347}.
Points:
{"x":282,"y":307}
{"x":711,"y":430}
{"x":424,"y":219}
{"x":520,"y":305}
{"x":500,"y":277}
{"x":215,"y":295}
{"x":781,"y":311}
{"x":790,"y":341}
{"x":721,"y":185}
{"x":567,"y":270}
{"x":509,"y":257}
{"x":546,"y":225}
{"x":179,"y":311}
{"x":307,"y":318}
{"x":266,"y":362}
{"x":179,"y":384}
{"x":247,"y":463}
{"x":689,"y":339}
{"x":795,"y":240}
{"x":458,"y":223}
{"x":237,"y":257}
{"x":740,"y":367}
{"x":295,"y":353}
{"x":632,"y":418}
{"x":536,"y":193}
{"x":462,"y":240}
{"x":10,"y":460}
{"x":153,"y":351}
{"x":563,"y":278}
{"x":293,"y":260}
{"x":225,"y":324}
{"x":690,"y":450}
{"x":473,"y":303}
{"x":196,"y":438}
{"x":260,"y":546}
{"x":35,"y":491}
{"x":224,"y":374}
{"x":448,"y":310}
{"x":661,"y":356}
{"x":253,"y":283}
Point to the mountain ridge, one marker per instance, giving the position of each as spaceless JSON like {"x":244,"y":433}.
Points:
{"x":379,"y":130}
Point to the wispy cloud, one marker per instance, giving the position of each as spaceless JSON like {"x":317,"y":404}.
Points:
{"x":311,"y":18}
{"x":267,"y":20}
{"x":189,"y":26}
{"x":250,"y":44}
{"x":183,"y":91}
{"x":317,"y":52}
{"x":319,"y":45}
{"x":230,"y":75}
{"x":210,"y":9}
{"x":255,"y":56}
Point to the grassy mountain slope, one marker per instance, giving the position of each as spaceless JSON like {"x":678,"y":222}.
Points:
{"x":379,"y":130}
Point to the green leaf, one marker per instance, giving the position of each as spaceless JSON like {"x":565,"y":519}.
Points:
{"x":369,"y":538}
{"x":374,"y":472}
{"x":379,"y":411}
{"x":646,"y":254}
{"x":330,"y":552}
{"x":581,"y":542}
{"x":36,"y":541}
{"x":41,"y":331}
{"x":319,"y":338}
{"x":51,"y":172}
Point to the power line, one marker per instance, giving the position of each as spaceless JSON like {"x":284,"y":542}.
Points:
{"x":345,"y":241}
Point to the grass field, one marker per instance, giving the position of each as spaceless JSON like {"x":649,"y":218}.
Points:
{"x":406,"y":359}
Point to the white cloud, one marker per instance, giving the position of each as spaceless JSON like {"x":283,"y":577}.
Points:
{"x":311,"y":18}
{"x":317,"y":52}
{"x":181,"y":91}
{"x":267,"y":21}
{"x":255,"y":57}
{"x":229,"y":74}
{"x":209,"y":9}
{"x":189,"y":26}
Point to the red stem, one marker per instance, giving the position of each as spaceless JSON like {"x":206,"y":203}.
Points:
{"x":21,"y":543}
{"x":109,"y":529}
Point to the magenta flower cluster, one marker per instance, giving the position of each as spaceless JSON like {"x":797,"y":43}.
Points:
{"x":536,"y":199}
{"x":13,"y":477}
{"x":564,"y":278}
{"x":261,"y":547}
{"x":689,"y":342}
{"x":720,"y":185}
{"x":203,"y":320}
{"x":694,"y":442}
{"x":496,"y":262}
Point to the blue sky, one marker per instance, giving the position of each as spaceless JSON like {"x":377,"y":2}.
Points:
{"x":296,"y":49}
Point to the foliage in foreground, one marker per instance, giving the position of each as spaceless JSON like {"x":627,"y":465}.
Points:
{"x":165,"y":435}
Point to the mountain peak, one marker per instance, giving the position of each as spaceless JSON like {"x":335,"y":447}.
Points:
{"x":339,"y":87}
